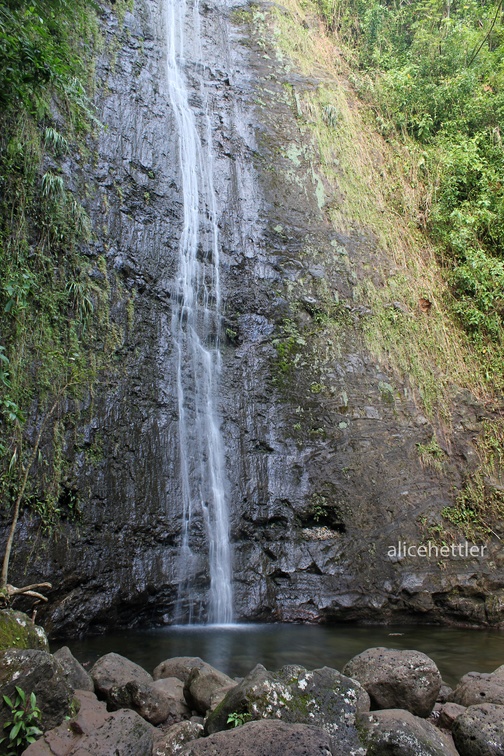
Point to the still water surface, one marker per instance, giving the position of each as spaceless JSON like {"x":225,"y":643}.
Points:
{"x":236,"y":649}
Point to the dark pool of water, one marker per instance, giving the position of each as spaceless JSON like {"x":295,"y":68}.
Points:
{"x":237,"y":649}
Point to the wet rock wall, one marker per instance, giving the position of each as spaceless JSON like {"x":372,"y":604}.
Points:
{"x":321,"y":441}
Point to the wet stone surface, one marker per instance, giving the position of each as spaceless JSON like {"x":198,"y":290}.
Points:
{"x":322,"y":460}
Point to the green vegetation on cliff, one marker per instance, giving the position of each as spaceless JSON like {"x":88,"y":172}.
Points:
{"x":55,"y":333}
{"x":386,"y":186}
{"x":433,"y":73}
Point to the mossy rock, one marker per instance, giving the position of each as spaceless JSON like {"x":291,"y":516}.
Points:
{"x":18,"y":631}
{"x":323,"y":698}
{"x":36,"y":672}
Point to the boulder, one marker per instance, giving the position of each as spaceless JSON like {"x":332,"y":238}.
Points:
{"x":266,"y":738}
{"x":172,"y":689}
{"x":219,"y":695}
{"x":479,"y":731}
{"x":448,"y":713}
{"x":179,"y":666}
{"x":178,"y":735}
{"x":75,"y":674}
{"x":157,"y":702}
{"x":92,"y":714}
{"x":323,"y":698}
{"x":397,"y":679}
{"x":445,"y":693}
{"x":115,"y":671}
{"x":399,"y":733}
{"x":18,"y":631}
{"x":203,"y":685}
{"x":479,"y":687}
{"x":498,"y":674}
{"x":35,"y":672}
{"x":122,"y":733}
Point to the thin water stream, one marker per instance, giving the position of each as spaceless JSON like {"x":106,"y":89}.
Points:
{"x":236,"y":649}
{"x":196,"y":325}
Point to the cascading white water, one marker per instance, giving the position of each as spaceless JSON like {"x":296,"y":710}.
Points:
{"x":196,"y":324}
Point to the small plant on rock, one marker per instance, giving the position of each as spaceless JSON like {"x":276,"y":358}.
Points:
{"x":237,"y":719}
{"x":22,"y":727}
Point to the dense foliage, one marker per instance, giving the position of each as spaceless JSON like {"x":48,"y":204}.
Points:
{"x":50,"y":332}
{"x":433,"y":70}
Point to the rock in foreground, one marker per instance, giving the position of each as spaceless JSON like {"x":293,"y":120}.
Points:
{"x":397,"y":679}
{"x":18,"y":631}
{"x":96,"y":732}
{"x":478,"y":688}
{"x":35,"y":672}
{"x":114,"y":671}
{"x":323,"y":698}
{"x":396,"y":732}
{"x":265,"y":738}
{"x":479,"y":731}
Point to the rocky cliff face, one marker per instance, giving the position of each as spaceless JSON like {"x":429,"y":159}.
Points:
{"x":321,"y":440}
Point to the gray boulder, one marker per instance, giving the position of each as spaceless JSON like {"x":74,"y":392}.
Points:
{"x":75,"y":674}
{"x":448,"y":713}
{"x":323,"y":698}
{"x":121,"y":733}
{"x":479,"y":731}
{"x":157,"y":702}
{"x":62,"y":740}
{"x":172,"y":690}
{"x":396,"y":732}
{"x":179,"y":666}
{"x":498,"y":674}
{"x":171,"y":741}
{"x":479,"y":687}
{"x":35,"y":672}
{"x":397,"y":679}
{"x":265,"y":738}
{"x":124,"y":733}
{"x":203,"y":685}
{"x":445,"y":693}
{"x":18,"y":631}
{"x":114,"y":671}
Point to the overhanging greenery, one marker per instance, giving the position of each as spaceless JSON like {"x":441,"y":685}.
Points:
{"x":433,"y":72}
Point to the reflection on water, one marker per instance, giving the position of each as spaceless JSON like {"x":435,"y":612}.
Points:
{"x":236,"y":649}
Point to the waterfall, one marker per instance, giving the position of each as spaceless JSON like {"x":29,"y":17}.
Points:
{"x":196,"y":325}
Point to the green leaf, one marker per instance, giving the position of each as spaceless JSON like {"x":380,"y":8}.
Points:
{"x":21,"y":694}
{"x":15,"y":730}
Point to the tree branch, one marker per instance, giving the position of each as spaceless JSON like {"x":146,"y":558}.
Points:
{"x":22,"y":488}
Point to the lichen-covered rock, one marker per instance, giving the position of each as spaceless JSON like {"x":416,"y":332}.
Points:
{"x":203,"y":684}
{"x":479,"y":731}
{"x":178,"y":666}
{"x":479,"y":687}
{"x":266,"y":738}
{"x":157,"y":702}
{"x":171,"y":741}
{"x":397,"y":679}
{"x":115,"y":671}
{"x":18,"y":631}
{"x":75,"y":674}
{"x":323,"y":698}
{"x":40,"y":673}
{"x":397,"y":732}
